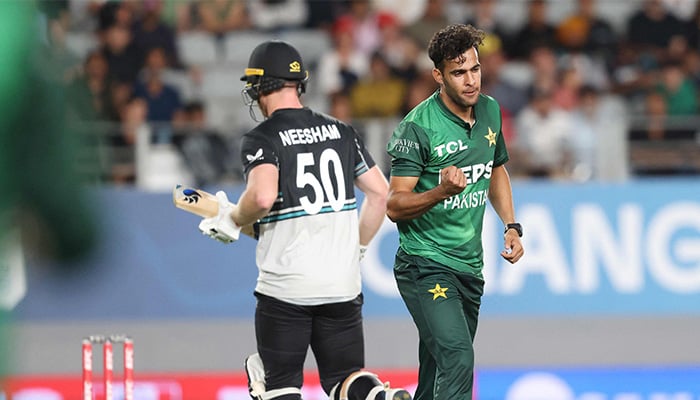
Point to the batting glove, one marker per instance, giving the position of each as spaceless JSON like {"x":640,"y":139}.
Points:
{"x":221,"y":227}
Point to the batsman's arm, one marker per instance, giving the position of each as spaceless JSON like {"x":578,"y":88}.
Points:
{"x":203,"y":204}
{"x":259,"y":195}
{"x":376,"y":189}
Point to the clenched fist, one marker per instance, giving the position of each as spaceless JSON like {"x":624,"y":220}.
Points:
{"x":452,"y":180}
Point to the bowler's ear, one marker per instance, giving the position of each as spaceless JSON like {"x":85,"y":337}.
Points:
{"x":437,"y":75}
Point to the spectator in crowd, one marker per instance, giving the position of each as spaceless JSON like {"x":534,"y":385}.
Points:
{"x":207,"y":155}
{"x":57,"y":62}
{"x":122,"y":154}
{"x":653,"y":146}
{"x":163,"y":102}
{"x":678,"y":90}
{"x":588,"y":43}
{"x":599,"y":137}
{"x":681,"y":9}
{"x":406,"y":12}
{"x":544,"y":134}
{"x":322,"y":14}
{"x":122,"y":56}
{"x":544,"y":66}
{"x":419,"y":89}
{"x":83,"y":15}
{"x":217,"y":17}
{"x":90,"y":92}
{"x":110,"y":13}
{"x":692,"y":29}
{"x":150,"y":31}
{"x":692,"y":66}
{"x":400,"y":51}
{"x":434,"y":18}
{"x":362,"y":21}
{"x":658,"y":126}
{"x":275,"y":15}
{"x":537,"y":31}
{"x":484,"y":17}
{"x":511,"y":97}
{"x":629,"y":77}
{"x":339,"y":69}
{"x":650,"y":31}
{"x":341,"y":108}
{"x":590,"y":70}
{"x":585,"y":31}
{"x":378,"y":94}
{"x":185,"y":16}
{"x":567,"y":90}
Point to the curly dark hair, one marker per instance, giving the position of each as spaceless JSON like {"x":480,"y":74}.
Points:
{"x":452,"y":41}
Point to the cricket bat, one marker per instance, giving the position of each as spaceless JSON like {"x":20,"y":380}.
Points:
{"x":203,"y":204}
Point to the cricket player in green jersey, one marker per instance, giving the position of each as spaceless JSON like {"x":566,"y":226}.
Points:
{"x":448,"y":157}
{"x":42,"y":195}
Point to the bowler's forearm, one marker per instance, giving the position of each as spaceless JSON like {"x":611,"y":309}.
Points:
{"x":409,"y":205}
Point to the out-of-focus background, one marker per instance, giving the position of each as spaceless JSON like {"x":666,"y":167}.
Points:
{"x":600,"y":115}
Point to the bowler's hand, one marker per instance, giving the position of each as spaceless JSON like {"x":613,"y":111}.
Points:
{"x":452,"y":180}
{"x":513,"y":246}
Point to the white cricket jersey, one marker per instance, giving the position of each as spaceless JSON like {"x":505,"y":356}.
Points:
{"x":308,"y":249}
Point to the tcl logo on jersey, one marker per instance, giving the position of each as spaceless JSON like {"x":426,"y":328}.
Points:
{"x":450,"y":148}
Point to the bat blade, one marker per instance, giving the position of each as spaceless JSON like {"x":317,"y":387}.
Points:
{"x":196,"y":201}
{"x":203,"y":204}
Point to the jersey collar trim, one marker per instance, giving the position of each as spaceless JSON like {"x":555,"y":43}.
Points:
{"x":452,"y":116}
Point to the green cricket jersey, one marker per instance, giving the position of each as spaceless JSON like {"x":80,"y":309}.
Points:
{"x":429,"y":139}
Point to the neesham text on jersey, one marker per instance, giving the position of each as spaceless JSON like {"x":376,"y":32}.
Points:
{"x":311,"y":135}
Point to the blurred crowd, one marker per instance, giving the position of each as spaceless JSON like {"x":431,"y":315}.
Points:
{"x":583,"y":96}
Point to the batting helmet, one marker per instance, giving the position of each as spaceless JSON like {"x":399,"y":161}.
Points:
{"x":271,"y":64}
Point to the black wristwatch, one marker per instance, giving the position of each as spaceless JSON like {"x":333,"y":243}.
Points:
{"x":518,"y":228}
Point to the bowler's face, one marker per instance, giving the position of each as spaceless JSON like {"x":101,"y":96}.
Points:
{"x":461,"y":79}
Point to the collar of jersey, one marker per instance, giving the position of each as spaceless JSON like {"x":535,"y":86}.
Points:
{"x":281,"y":110}
{"x":452,"y":116}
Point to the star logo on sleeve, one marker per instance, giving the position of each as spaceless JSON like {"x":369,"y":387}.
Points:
{"x":438,"y":291}
{"x":491,"y":137}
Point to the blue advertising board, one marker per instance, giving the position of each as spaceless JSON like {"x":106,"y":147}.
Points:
{"x":591,"y":249}
{"x":654,"y":383}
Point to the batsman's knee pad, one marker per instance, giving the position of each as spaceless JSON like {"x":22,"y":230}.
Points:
{"x":255,"y":370}
{"x":364,"y":385}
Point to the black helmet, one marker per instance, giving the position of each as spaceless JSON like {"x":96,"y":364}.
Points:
{"x":271,"y":64}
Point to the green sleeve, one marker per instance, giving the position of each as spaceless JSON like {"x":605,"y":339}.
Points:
{"x":409,"y":149}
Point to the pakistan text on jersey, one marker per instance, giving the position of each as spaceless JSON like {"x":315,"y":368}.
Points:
{"x":466,"y":200}
{"x":309,"y":135}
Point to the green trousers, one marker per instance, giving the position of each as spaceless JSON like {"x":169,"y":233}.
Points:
{"x":444,"y":304}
